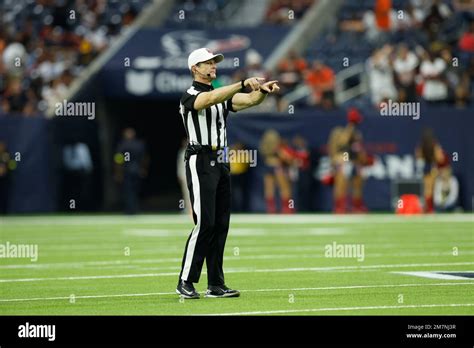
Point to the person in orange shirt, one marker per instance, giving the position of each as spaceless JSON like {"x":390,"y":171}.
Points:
{"x":293,"y":61}
{"x":382,"y":14}
{"x":321,"y":80}
{"x":290,"y":73}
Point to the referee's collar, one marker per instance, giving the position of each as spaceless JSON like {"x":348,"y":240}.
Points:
{"x":202,"y":86}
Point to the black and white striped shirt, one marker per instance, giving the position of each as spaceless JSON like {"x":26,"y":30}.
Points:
{"x":207,"y":126}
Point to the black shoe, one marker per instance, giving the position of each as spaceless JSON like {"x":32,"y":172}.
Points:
{"x":187,"y":290}
{"x":221,"y":291}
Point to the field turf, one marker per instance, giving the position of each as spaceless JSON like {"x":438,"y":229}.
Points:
{"x":119,"y":265}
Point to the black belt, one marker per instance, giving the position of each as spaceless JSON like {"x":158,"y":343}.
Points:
{"x":194,"y":149}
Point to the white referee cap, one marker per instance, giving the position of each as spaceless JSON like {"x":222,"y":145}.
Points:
{"x":201,"y":55}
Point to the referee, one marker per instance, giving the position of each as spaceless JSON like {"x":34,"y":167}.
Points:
{"x":204,"y":111}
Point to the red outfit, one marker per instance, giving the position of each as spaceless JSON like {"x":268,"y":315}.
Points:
{"x":466,"y":43}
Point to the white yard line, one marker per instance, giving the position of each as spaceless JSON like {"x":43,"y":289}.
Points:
{"x":245,"y":246}
{"x":84,"y":297}
{"x":434,"y":275}
{"x":228,"y":258}
{"x":113,"y":276}
{"x":240,"y":270}
{"x":361,"y":287}
{"x":242,"y":232}
{"x":287,"y":311}
{"x":250,"y":291}
{"x":236,"y":218}
{"x":304,"y":269}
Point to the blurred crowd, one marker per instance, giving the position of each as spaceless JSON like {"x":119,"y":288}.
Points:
{"x":286,"y":11}
{"x":318,"y":77}
{"x":423,"y":51}
{"x":45,"y":44}
{"x":405,"y":74}
{"x":292,"y":71}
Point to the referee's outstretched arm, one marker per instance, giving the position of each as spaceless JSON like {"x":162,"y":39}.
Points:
{"x":240,"y":101}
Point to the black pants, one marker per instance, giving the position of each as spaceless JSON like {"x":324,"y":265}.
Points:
{"x":131,"y":190}
{"x":209,"y":187}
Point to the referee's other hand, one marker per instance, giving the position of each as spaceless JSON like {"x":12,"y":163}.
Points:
{"x":254,"y":82}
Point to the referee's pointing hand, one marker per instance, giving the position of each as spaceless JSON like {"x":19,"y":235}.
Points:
{"x":270,"y":87}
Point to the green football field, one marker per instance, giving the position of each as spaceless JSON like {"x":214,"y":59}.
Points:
{"x":284,"y":265}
